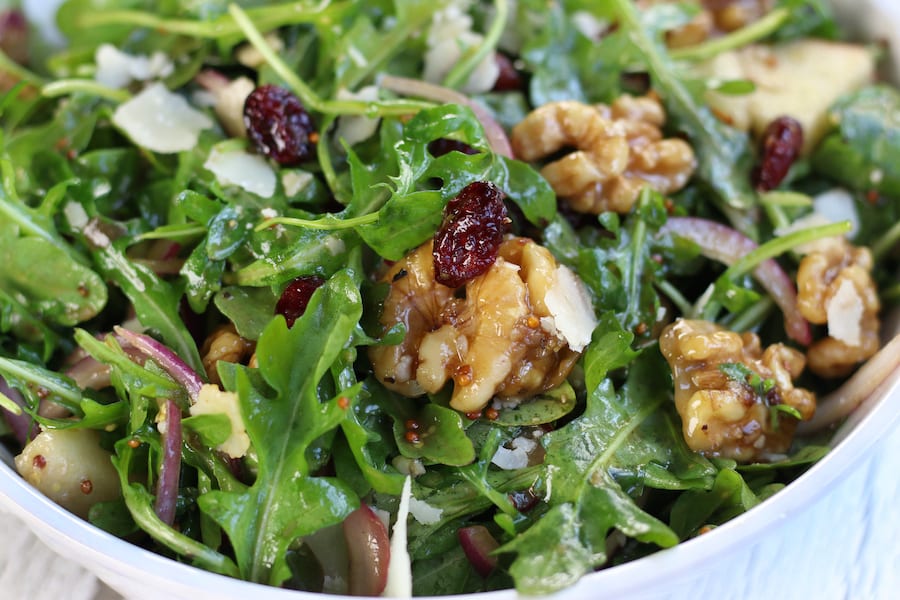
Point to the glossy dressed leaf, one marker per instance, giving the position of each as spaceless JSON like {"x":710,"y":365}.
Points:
{"x":155,"y":301}
{"x":369,"y":432}
{"x":249,"y":308}
{"x":441,"y":435}
{"x":286,"y":502}
{"x":421,"y":208}
{"x":544,"y":408}
{"x":656,"y":455}
{"x":696,"y":508}
{"x":586,"y":502}
{"x":610,"y":349}
{"x":311,"y":252}
{"x":59,"y":288}
{"x":862,"y":153}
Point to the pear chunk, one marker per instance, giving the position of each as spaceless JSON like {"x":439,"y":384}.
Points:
{"x":800,"y":79}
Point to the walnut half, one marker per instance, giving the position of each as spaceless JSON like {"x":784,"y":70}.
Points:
{"x":835,"y":286}
{"x":619,"y":150}
{"x":512,"y":332}
{"x":726,"y":416}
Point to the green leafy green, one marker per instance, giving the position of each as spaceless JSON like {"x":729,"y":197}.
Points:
{"x":860,"y":153}
{"x":282,"y":422}
{"x":585,"y":500}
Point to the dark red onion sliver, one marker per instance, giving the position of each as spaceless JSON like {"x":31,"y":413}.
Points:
{"x":23,"y":427}
{"x":168,"y":360}
{"x":170,"y":470}
{"x":726,"y":245}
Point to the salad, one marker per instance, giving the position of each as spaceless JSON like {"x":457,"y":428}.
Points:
{"x":437,"y":297}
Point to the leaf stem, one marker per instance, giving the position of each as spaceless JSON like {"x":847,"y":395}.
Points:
{"x":675,"y":295}
{"x":470,"y":60}
{"x":886,"y":242}
{"x":757,"y":30}
{"x":327,"y":223}
{"x":306,"y":93}
{"x":64,"y":87}
{"x":11,"y":67}
{"x":753,"y":316}
{"x":7,"y":404}
{"x":780,"y":245}
{"x":224,"y":26}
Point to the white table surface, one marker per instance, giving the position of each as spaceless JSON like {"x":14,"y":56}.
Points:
{"x":845,"y":546}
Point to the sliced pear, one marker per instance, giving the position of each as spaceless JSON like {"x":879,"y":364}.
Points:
{"x":800,"y":79}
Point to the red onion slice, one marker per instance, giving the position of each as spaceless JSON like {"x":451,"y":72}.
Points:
{"x":727,"y":245}
{"x":478,"y":545}
{"x":168,"y":360}
{"x":89,"y":373}
{"x":496,"y":137}
{"x":23,"y":427}
{"x":369,"y":551}
{"x":169,"y":472}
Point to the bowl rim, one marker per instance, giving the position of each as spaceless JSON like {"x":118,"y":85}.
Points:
{"x":96,"y":547}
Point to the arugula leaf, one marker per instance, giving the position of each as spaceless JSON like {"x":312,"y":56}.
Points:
{"x":696,"y":508}
{"x":286,"y":502}
{"x":249,"y":308}
{"x":155,"y":301}
{"x":370,"y":435}
{"x":586,"y":502}
{"x":620,"y":270}
{"x":36,"y":263}
{"x":861,"y":154}
{"x":808,"y":18}
{"x":140,"y":505}
{"x":420,"y":209}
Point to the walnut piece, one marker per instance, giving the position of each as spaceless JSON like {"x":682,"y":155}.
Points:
{"x":619,"y":149}
{"x":224,"y":343}
{"x":715,"y":18}
{"x":505,"y":336}
{"x":723,"y":416}
{"x":835,"y":287}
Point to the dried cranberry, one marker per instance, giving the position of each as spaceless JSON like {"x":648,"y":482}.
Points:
{"x":467,"y":241}
{"x":509,"y":79}
{"x":524,"y":500}
{"x":295,"y":297}
{"x":782,"y":143}
{"x":442,"y":146}
{"x":279,"y":126}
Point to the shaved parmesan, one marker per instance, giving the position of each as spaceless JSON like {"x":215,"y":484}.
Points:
{"x":160,"y":121}
{"x":354,"y":129}
{"x":838,"y":205}
{"x":845,"y":310}
{"x":294,"y":182}
{"x":516,"y":456}
{"x":449,"y":38}
{"x":573,"y":315}
{"x":116,"y":69}
{"x":399,"y":575}
{"x":229,"y":105}
{"x":423,"y":512}
{"x":238,"y":167}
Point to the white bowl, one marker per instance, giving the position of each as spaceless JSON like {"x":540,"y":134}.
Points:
{"x":685,"y":570}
